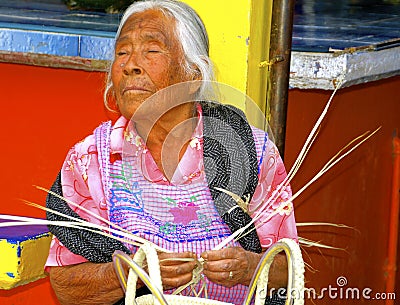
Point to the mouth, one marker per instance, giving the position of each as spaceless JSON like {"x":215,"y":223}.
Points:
{"x":135,"y":89}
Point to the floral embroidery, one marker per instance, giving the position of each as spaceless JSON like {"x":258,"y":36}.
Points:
{"x":133,"y":201}
{"x":128,"y":135}
{"x":184,"y":213}
{"x":286,"y":208}
{"x":205,"y":221}
{"x":81,"y":162}
{"x":70,"y":166}
{"x":192,"y":176}
{"x":170,"y":201}
{"x":168,"y":228}
{"x":138,"y":141}
{"x":195,"y":143}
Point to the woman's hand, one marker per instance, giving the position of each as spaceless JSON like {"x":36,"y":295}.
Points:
{"x":176,"y":268}
{"x":230,"y":266}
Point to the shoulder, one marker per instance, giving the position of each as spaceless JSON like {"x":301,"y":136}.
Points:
{"x":262,"y":142}
{"x":80,"y":157}
{"x":259,"y":135}
{"x":222,"y":111}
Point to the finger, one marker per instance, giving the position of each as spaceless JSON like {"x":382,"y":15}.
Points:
{"x":177,"y":275}
{"x":175,"y":258}
{"x":176,"y":254}
{"x":219,"y":265}
{"x":177,"y":281}
{"x":222,"y":278}
{"x":226,"y":253}
{"x":177,"y":269}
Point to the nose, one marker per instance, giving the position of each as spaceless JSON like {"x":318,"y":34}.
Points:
{"x":132,"y":66}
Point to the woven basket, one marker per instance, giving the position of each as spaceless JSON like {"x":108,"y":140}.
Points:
{"x":257,"y":285}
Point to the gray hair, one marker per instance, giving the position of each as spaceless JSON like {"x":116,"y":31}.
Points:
{"x":189,"y":29}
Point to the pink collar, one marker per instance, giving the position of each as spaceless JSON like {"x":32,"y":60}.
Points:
{"x":190,"y":167}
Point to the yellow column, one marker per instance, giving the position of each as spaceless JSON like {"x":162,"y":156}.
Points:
{"x":239,"y":42}
{"x":258,"y":58}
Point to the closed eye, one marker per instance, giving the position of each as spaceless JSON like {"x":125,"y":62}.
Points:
{"x":153,"y":50}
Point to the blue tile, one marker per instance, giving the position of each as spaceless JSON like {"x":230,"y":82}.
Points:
{"x":320,"y":24}
{"x":96,"y":47}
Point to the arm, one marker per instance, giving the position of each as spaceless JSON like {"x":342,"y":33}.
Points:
{"x":91,"y":283}
{"x":86,"y":283}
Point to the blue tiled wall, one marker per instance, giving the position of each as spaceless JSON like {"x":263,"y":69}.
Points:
{"x":41,"y":42}
{"x":50,"y":28}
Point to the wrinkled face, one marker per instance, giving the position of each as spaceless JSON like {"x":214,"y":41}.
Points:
{"x":148,"y":57}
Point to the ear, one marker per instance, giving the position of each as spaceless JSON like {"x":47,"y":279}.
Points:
{"x":111,"y":103}
{"x":194,"y":86}
{"x":196,"y":73}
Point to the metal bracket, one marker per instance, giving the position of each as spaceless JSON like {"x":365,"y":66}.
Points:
{"x":273,"y":61}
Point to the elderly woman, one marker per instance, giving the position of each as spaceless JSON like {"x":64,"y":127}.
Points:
{"x":166,"y":189}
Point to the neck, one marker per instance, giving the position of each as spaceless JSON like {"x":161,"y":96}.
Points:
{"x":177,"y":123}
{"x":168,"y":137}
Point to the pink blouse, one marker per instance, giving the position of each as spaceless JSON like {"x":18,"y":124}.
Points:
{"x":86,"y":180}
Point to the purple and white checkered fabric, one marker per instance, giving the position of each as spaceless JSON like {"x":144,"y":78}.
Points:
{"x":175,"y":217}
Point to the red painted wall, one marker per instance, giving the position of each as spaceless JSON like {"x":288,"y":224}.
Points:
{"x":356,"y":192}
{"x":44,"y":112}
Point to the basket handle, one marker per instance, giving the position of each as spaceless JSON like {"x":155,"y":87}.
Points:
{"x":295,"y":288}
{"x":152,"y":281}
